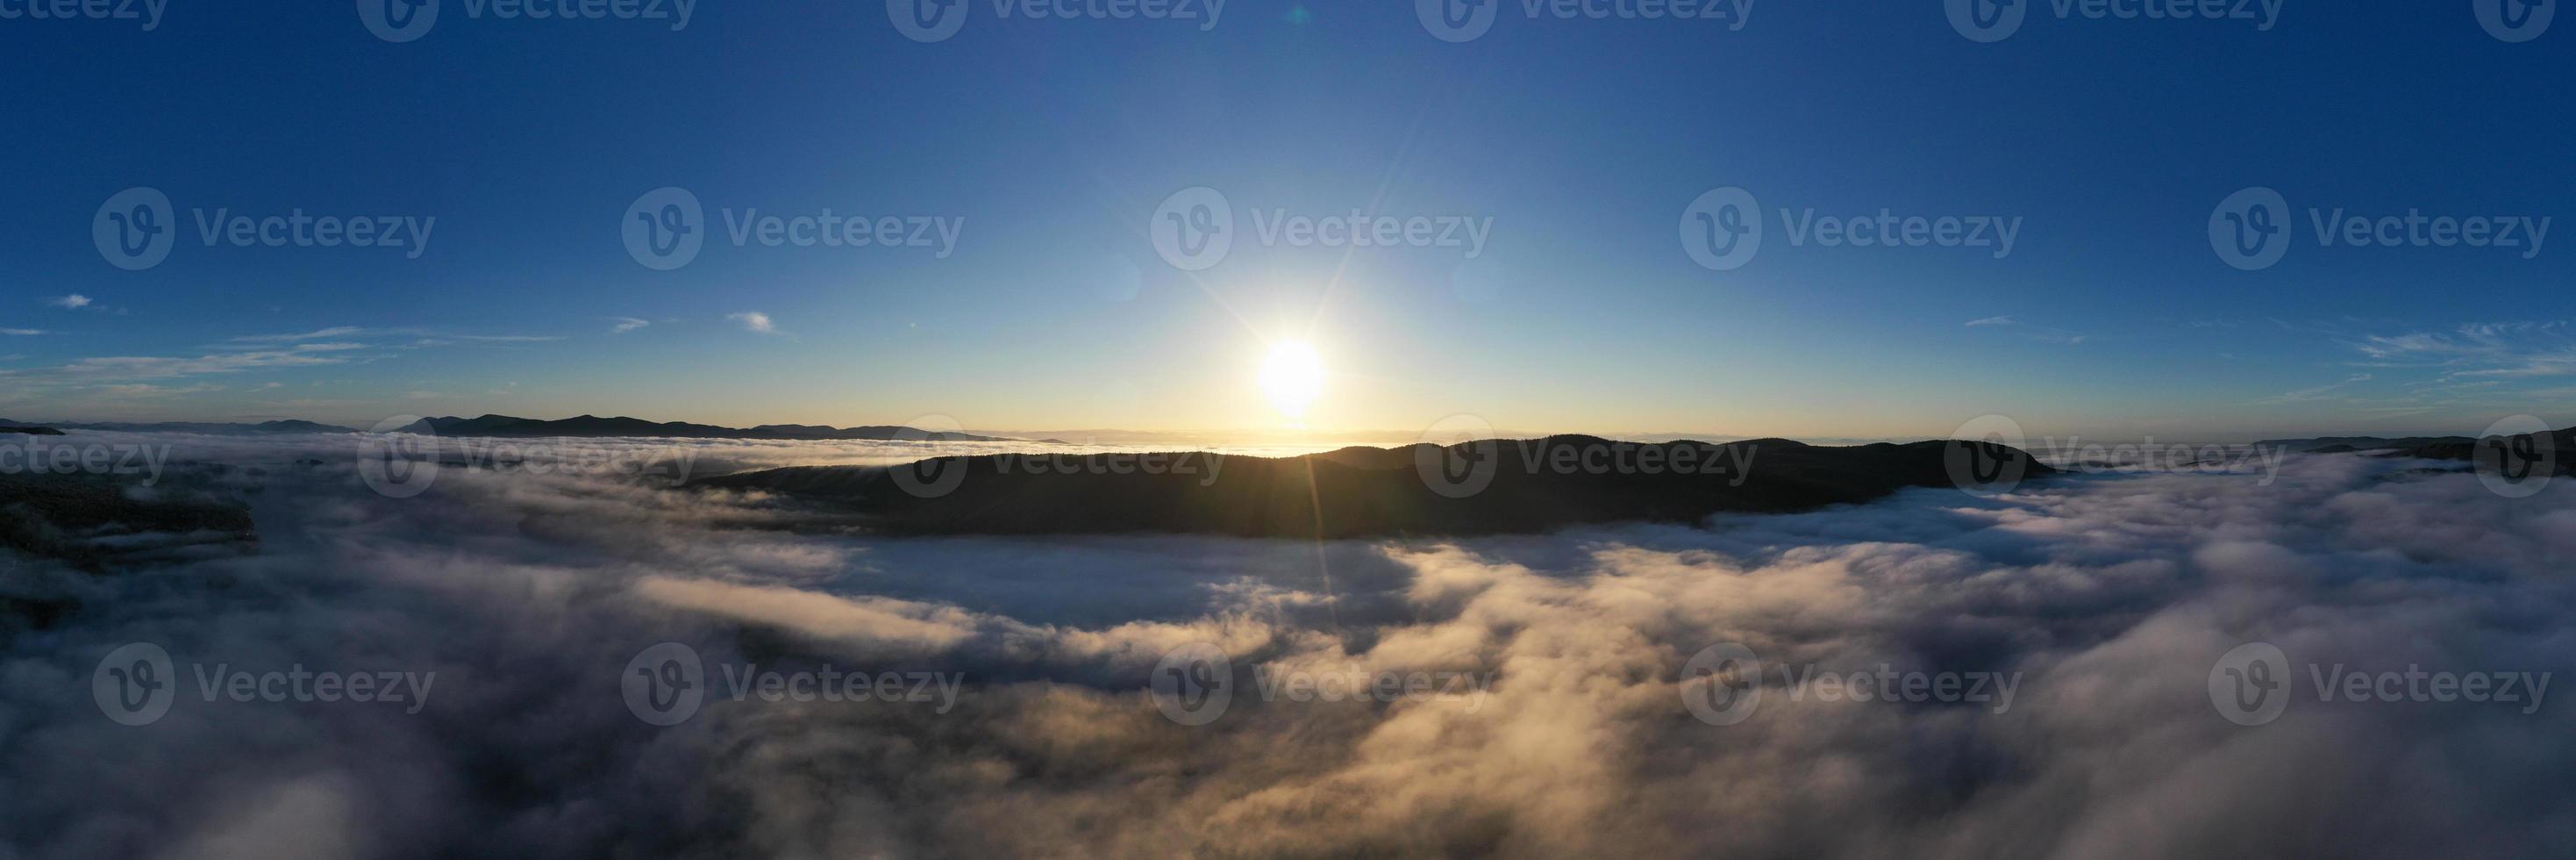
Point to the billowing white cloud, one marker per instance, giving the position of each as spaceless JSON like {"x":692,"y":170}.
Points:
{"x":527,"y":591}
{"x":754,"y":321}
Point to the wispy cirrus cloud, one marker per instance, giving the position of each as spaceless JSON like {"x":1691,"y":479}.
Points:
{"x":2035,"y":332}
{"x":317,"y":334}
{"x":623,"y":325}
{"x":2319,"y":392}
{"x":158,"y":367}
{"x":2475,"y":365}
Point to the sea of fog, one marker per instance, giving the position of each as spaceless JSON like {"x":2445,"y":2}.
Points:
{"x":2075,"y":668}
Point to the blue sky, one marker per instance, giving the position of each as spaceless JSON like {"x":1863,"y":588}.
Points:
{"x":1049,"y":145}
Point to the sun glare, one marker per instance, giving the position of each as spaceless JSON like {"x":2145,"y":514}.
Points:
{"x":1292,"y":376}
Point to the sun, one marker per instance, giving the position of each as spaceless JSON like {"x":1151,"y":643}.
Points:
{"x":1292,"y":376}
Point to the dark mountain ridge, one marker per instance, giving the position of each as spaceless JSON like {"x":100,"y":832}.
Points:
{"x":2557,"y":448}
{"x":2359,"y":443}
{"x":1532,"y":486}
{"x":592,"y":425}
{"x":210,"y":427}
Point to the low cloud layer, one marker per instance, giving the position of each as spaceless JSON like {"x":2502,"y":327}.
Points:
{"x":2107,"y":599}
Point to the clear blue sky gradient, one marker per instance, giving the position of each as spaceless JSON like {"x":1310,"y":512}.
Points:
{"x":1581,"y":140}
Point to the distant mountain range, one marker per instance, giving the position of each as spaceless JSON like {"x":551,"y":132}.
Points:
{"x":1368,"y":492}
{"x":504,"y":425}
{"x":2359,"y":443}
{"x":191,"y":427}
{"x":2561,"y":447}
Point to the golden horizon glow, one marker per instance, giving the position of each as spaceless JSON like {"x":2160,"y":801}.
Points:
{"x":1292,"y":376}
